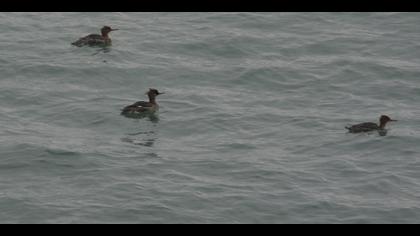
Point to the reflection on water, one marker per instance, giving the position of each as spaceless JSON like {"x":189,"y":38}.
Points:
{"x":144,"y":142}
{"x":145,"y":139}
{"x":142,"y":138}
{"x":382,"y":132}
{"x":105,"y":49}
{"x":139,"y":133}
{"x":150,"y":116}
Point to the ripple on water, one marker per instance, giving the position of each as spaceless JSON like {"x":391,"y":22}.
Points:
{"x":251,"y":129}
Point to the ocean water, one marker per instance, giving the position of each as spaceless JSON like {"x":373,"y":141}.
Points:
{"x":250,"y":130}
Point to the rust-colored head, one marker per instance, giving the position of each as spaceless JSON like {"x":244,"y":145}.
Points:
{"x":153,"y":92}
{"x":152,"y":95}
{"x":106,"y":29}
{"x":384,"y":120}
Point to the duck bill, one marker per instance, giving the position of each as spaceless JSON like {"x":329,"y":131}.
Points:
{"x":160,"y":93}
{"x":394,"y":120}
{"x":114,"y":29}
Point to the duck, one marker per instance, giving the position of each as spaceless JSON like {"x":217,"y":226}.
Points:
{"x":370,"y":126}
{"x":143,"y":107}
{"x":102,"y":39}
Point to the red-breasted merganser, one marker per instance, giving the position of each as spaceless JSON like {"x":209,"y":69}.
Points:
{"x":96,"y":39}
{"x":142,"y":107}
{"x":369,"y":126}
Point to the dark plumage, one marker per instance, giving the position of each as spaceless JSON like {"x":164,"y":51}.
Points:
{"x":142,"y":107}
{"x":369,"y":126}
{"x":96,"y":39}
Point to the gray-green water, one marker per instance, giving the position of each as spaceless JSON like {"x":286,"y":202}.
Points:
{"x":250,"y":130}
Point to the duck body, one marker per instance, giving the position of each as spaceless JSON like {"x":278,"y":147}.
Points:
{"x":93,"y":40}
{"x":143,"y":107}
{"x":370,"y":126}
{"x":102,"y":39}
{"x":363,"y":127}
{"x":140,"y":107}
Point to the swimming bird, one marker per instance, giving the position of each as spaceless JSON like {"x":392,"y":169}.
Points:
{"x":369,"y":126}
{"x":143,"y":107}
{"x":96,"y":39}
